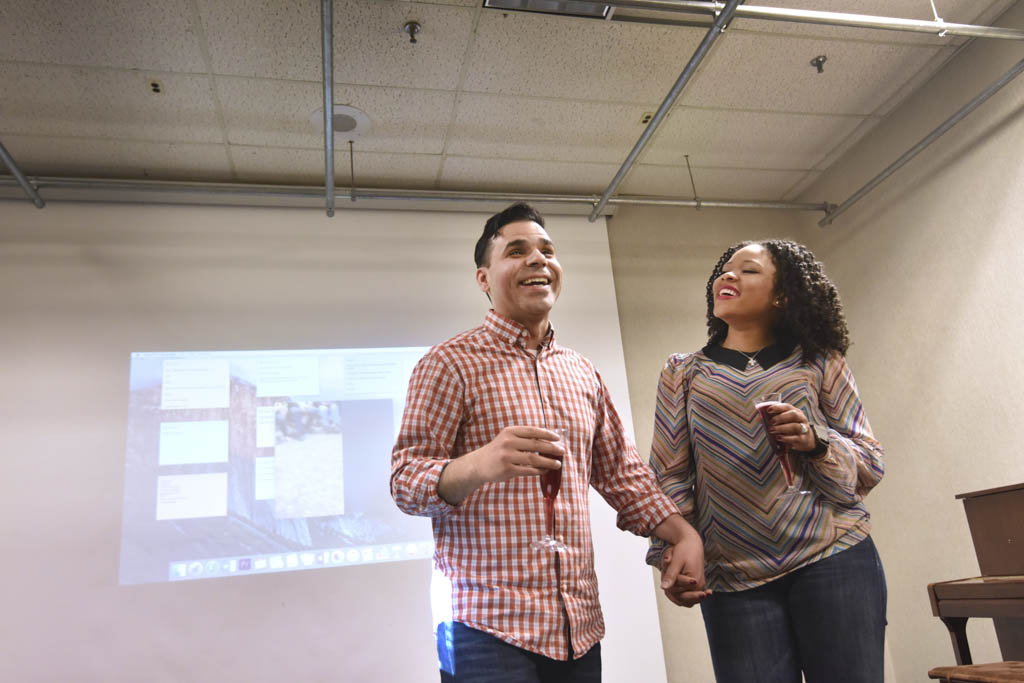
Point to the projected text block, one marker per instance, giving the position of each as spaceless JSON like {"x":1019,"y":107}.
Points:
{"x":371,"y":375}
{"x":190,"y":496}
{"x":191,"y":443}
{"x":195,"y":383}
{"x":264,"y":478}
{"x":265,"y":426}
{"x":288,"y":376}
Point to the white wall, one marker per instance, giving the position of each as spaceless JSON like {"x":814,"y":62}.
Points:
{"x":931,"y":271}
{"x":83,"y":285}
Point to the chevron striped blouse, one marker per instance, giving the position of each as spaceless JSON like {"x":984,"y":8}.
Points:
{"x":711,"y":455}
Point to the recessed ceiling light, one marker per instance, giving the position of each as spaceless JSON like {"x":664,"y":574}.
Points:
{"x":569,"y":7}
{"x":346,"y":121}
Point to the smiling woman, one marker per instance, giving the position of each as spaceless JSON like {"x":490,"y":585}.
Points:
{"x":797,"y":582}
{"x":804,"y":302}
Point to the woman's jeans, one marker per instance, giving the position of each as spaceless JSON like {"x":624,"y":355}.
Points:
{"x":826,"y":619}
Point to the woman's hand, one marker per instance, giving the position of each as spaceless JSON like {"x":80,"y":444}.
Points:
{"x":790,"y":426}
{"x":686,"y":591}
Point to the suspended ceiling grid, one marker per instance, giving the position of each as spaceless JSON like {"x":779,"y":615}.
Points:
{"x":483,"y":101}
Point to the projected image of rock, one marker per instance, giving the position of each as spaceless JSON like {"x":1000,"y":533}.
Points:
{"x":309,"y":477}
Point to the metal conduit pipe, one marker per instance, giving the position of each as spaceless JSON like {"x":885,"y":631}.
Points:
{"x":830,"y":215}
{"x":721,"y":21}
{"x":214,"y":190}
{"x":20,"y":177}
{"x":327,"y":20}
{"x":940,"y":28}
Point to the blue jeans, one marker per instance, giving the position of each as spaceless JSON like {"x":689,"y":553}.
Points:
{"x":479,"y":657}
{"x":826,"y":619}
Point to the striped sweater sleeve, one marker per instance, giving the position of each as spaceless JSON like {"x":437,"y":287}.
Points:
{"x":671,"y":458}
{"x":853,"y":463}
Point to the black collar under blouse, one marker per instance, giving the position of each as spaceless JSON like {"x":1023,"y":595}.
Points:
{"x":766,"y":357}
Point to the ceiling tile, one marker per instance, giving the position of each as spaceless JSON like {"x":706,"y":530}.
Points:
{"x":143,"y":34}
{"x":793,"y":193}
{"x":745,"y":139}
{"x":905,"y":88}
{"x":77,"y":157}
{"x":253,"y":38}
{"x":60,"y":100}
{"x":461,"y":3}
{"x":843,"y":145}
{"x":464,"y":173}
{"x":306,"y":167}
{"x":248,"y":38}
{"x":546,"y":129}
{"x":519,"y":53}
{"x":279,"y":113}
{"x":755,"y":71}
{"x":712,"y":183}
{"x":371,"y":48}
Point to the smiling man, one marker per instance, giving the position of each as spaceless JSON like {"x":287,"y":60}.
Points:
{"x":479,"y":427}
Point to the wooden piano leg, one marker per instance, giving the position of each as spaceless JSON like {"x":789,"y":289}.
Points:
{"x":957,"y":627}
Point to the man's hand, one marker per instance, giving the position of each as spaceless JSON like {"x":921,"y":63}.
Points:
{"x":682,"y":566}
{"x":686,"y":591}
{"x":516,"y":451}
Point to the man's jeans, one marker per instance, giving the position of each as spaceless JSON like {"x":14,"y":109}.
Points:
{"x":826,"y":619}
{"x":481,"y":658}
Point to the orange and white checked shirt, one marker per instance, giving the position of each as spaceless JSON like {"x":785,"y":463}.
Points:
{"x":461,"y":394}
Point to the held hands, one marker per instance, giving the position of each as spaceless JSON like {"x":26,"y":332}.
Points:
{"x":684,"y":561}
{"x":789,"y":425}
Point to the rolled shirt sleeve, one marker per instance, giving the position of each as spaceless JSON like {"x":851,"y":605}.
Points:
{"x":621,"y":476}
{"x":433,"y":411}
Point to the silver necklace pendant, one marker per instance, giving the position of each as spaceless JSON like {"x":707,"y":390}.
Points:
{"x":752,"y":363}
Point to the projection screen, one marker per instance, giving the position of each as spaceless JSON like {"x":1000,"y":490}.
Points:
{"x":111,"y":311}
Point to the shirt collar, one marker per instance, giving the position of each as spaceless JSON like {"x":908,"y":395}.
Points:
{"x":766,"y":357}
{"x":515,"y":333}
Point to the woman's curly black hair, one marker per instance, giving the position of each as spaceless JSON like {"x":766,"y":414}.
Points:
{"x":812,"y":313}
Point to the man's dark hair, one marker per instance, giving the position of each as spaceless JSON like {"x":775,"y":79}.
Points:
{"x":520,"y":211}
{"x":812,"y":313}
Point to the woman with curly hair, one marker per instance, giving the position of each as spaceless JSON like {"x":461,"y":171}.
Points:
{"x":797,"y":586}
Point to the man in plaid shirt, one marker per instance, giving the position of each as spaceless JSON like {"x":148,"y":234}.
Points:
{"x":476,"y":434}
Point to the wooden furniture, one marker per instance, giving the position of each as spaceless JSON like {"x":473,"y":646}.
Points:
{"x":996,"y":520}
{"x":998,"y":597}
{"x":1000,"y":672}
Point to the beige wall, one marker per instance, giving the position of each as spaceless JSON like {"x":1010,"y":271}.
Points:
{"x":931,"y":270}
{"x":931,"y":266}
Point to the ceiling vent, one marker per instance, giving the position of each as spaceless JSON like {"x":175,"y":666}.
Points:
{"x":595,"y":10}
